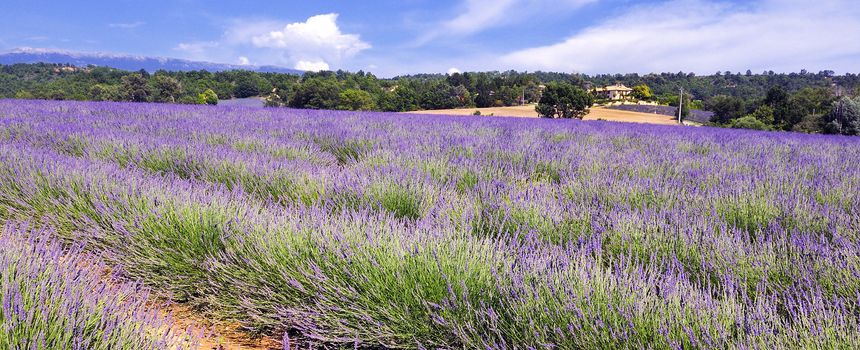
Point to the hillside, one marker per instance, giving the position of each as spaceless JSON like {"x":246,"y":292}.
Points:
{"x":802,"y":102}
{"x":127,"y":62}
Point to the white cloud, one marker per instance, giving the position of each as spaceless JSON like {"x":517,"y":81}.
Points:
{"x":479,"y":15}
{"x":453,"y":70}
{"x":785,"y":35}
{"x":130,"y":25}
{"x":196,"y":47}
{"x":319,"y":34}
{"x":244,"y":61}
{"x":311,"y":66}
{"x":199,"y":50}
{"x":314,"y":43}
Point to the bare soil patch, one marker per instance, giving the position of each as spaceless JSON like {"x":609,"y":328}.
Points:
{"x":220,"y":336}
{"x":528,"y":111}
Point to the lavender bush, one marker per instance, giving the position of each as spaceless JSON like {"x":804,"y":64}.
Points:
{"x":408,"y":231}
{"x":54,"y":298}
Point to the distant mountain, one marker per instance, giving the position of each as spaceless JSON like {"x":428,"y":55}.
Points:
{"x":126,"y":62}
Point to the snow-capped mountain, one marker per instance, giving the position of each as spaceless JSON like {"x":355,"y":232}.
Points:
{"x":125,"y":62}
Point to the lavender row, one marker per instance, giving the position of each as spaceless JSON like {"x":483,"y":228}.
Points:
{"x":706,"y":173}
{"x":56,"y":298}
{"x":279,"y":276}
{"x":582,"y":235}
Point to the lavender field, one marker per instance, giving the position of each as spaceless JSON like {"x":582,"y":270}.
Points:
{"x":374,"y":230}
{"x":55,"y":298}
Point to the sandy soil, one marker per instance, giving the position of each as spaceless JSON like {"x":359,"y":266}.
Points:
{"x":631,"y":117}
{"x":528,"y":111}
{"x":218,"y":336}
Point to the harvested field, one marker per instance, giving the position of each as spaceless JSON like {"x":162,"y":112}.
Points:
{"x":528,"y":111}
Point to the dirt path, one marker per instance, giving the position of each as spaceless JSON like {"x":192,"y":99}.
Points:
{"x":528,"y":111}
{"x":219,"y":336}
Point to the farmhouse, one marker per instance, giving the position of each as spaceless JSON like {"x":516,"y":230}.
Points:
{"x":613,"y":92}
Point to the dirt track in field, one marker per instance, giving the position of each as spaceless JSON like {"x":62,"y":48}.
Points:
{"x":220,"y":336}
{"x":528,"y":111}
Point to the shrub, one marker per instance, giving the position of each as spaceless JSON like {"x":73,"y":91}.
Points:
{"x":208,"y":97}
{"x":749,"y":122}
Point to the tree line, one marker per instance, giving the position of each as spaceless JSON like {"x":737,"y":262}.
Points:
{"x":800,"y":101}
{"x":810,"y":109}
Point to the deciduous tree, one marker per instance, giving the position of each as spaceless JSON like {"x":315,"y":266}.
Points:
{"x":844,"y":117}
{"x":725,"y":108}
{"x":166,"y":88}
{"x":642,"y":92}
{"x":208,"y":97}
{"x":563,"y":100}
{"x":356,"y":100}
{"x":135,"y":87}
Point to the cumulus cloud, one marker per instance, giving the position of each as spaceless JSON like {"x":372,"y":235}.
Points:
{"x":785,"y":35}
{"x":319,"y":34}
{"x":244,"y":61}
{"x":311,"y":66}
{"x":314,"y":43}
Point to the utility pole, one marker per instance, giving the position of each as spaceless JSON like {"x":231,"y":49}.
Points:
{"x":523,"y":100}
{"x":680,"y":105}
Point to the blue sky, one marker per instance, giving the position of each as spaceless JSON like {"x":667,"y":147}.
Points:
{"x":414,"y":36}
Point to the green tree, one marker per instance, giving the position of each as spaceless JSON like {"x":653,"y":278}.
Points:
{"x":509,"y":95}
{"x":764,"y":113}
{"x":356,"y":100}
{"x":749,"y":122}
{"x":247,"y":85}
{"x":135,"y":88}
{"x":844,"y":117}
{"x":208,"y":97}
{"x":24,"y":95}
{"x":725,"y":108}
{"x":316,"y":93}
{"x":642,"y":92}
{"x":563,"y":100}
{"x":399,"y":98}
{"x":484,"y":89}
{"x":697,"y":104}
{"x":105,"y":92}
{"x":461,"y":93}
{"x":811,"y":123}
{"x":810,"y":107}
{"x":439,"y":95}
{"x":166,"y":88}
{"x":783,"y":114}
